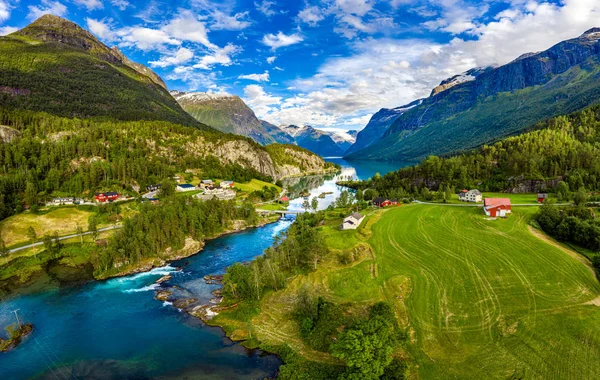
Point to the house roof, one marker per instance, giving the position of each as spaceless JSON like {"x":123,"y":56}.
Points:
{"x":475,"y":191}
{"x":357,"y":216}
{"x":285,"y":199}
{"x":379,"y":200}
{"x":464,"y":191}
{"x":185,"y":186}
{"x":495,"y":202}
{"x":111,"y":193}
{"x":207,"y":181}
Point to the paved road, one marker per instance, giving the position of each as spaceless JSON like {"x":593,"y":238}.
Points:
{"x":65,"y":238}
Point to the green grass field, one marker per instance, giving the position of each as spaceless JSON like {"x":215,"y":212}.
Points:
{"x":253,"y":185}
{"x":487,"y":299}
{"x":63,"y":219}
{"x":478,"y":298}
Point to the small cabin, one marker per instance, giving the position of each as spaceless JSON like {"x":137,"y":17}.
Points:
{"x":352,"y":221}
{"x":226,"y":184}
{"x":542,"y":197}
{"x":473,"y":196}
{"x":110,"y":196}
{"x":381,"y":202}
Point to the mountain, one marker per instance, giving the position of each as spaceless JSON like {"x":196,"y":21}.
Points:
{"x":496,"y":102}
{"x":55,"y":66}
{"x":377,"y":126}
{"x":277,"y":133}
{"x":343,"y":139}
{"x":312,"y":139}
{"x":224,"y":112}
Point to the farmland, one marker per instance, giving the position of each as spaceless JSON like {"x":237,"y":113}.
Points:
{"x":478,"y":298}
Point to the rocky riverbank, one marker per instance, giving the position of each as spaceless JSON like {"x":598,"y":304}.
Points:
{"x":15,"y":337}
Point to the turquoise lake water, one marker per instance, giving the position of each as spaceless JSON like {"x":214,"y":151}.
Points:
{"x":115,"y":329}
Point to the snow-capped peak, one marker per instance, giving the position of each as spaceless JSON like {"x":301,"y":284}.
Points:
{"x":200,"y":96}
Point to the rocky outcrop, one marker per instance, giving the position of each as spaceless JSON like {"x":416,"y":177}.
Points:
{"x":8,"y":134}
{"x":524,"y":186}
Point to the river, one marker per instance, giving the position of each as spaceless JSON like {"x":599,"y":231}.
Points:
{"x":116,"y":329}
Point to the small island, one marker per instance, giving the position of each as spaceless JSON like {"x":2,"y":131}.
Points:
{"x":15,"y":336}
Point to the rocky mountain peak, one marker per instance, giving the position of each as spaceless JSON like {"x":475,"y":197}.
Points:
{"x":593,"y":33}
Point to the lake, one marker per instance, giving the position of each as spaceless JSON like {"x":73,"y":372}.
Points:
{"x":116,"y":329}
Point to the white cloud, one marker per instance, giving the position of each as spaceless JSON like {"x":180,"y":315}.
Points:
{"x":145,"y":39}
{"x":264,"y":77}
{"x":264,"y":7}
{"x":179,"y":57}
{"x":272,"y":59}
{"x":46,"y":7}
{"x":186,"y":27}
{"x":222,"y":21}
{"x":100,"y":29}
{"x":390,"y":73}
{"x":90,"y":5}
{"x":311,"y":15}
{"x":5,"y":9}
{"x":355,"y":7}
{"x":276,"y":41}
{"x":121,"y":4}
{"x":194,"y":79}
{"x":220,"y":56}
{"x":4,"y":30}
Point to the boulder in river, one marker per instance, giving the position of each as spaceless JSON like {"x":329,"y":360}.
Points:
{"x":184,"y":302}
{"x":163,"y":295}
{"x":163,"y":279}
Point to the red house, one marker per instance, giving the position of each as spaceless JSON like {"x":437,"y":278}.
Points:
{"x":542,"y":197}
{"x":109,"y":196}
{"x":382,"y":202}
{"x":497,"y":207}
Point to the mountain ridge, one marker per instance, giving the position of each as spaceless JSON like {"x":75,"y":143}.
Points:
{"x":498,"y":102}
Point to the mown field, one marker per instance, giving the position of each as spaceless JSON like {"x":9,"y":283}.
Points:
{"x":479,"y":299}
{"x":487,"y":299}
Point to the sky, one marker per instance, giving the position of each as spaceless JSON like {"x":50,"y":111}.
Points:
{"x":330,"y":64}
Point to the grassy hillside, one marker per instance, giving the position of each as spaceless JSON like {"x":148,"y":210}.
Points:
{"x":490,"y":118}
{"x":478,"y":298}
{"x":56,"y":67}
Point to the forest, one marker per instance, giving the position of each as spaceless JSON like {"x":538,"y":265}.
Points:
{"x":86,"y":156}
{"x":562,"y":148}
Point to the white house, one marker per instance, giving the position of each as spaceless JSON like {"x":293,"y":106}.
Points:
{"x":470,"y":196}
{"x":183,"y":187}
{"x":352,"y":222}
{"x":226,"y":184}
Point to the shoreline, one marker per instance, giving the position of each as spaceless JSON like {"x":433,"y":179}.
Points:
{"x":159,"y":262}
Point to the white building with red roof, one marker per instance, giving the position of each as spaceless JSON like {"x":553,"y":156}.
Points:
{"x":497,"y":207}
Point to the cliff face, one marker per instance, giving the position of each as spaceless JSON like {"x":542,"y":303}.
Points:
{"x":8,"y":134}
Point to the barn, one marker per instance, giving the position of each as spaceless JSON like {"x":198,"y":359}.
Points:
{"x":497,"y":207}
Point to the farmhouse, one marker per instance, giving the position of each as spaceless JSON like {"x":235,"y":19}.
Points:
{"x":205,"y":183}
{"x":470,"y":196}
{"x":497,"y":207}
{"x":352,"y":222}
{"x":384,"y":202}
{"x":542,"y":197}
{"x":183,"y":187}
{"x":155,"y":187}
{"x":110,"y":196}
{"x":226,"y":184}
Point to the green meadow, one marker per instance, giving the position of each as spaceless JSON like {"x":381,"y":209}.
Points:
{"x":478,"y":298}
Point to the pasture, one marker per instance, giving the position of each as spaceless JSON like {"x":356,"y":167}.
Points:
{"x":487,"y":299}
{"x":478,"y":298}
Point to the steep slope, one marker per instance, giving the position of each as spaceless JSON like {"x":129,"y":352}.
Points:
{"x":314,"y":140}
{"x":499,"y":102}
{"x":55,"y":66}
{"x":224,"y":112}
{"x":344,"y":140}
{"x":377,"y":126}
{"x":277,"y":133}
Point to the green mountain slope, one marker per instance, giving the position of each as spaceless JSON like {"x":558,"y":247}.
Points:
{"x":224,"y":112}
{"x":55,"y":66}
{"x":497,"y":103}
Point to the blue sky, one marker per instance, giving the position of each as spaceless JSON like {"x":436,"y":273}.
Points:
{"x":330,"y":64}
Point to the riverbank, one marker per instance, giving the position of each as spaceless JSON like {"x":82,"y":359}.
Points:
{"x":74,"y":265}
{"x":15,"y":337}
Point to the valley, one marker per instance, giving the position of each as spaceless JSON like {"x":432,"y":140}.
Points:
{"x":207,"y":190}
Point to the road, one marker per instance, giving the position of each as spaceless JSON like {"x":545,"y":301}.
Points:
{"x":115,"y":227}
